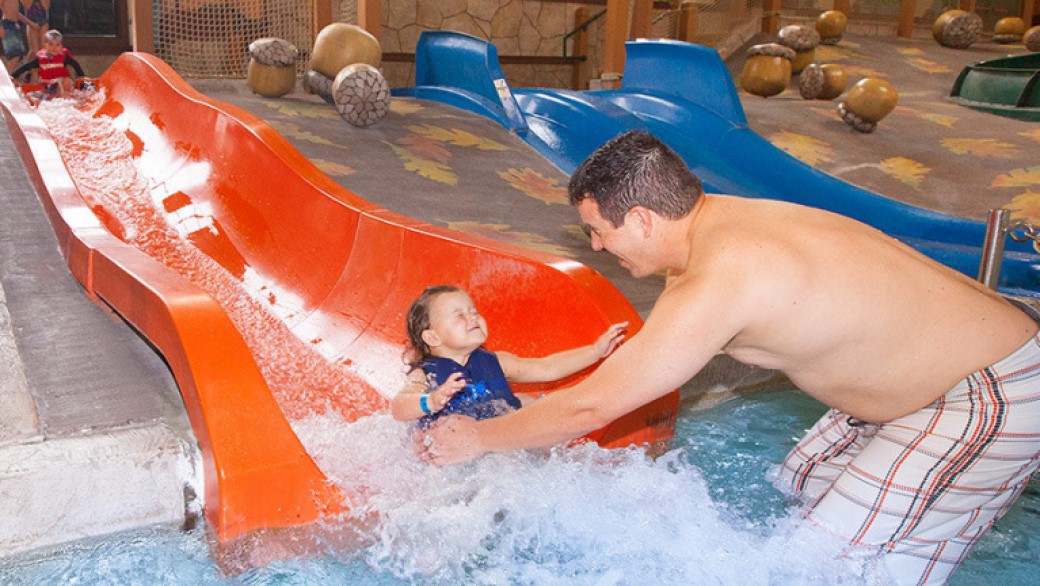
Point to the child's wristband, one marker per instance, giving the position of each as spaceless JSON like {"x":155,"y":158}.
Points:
{"x":424,"y":403}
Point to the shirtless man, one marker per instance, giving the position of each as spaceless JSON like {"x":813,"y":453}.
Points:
{"x":934,"y":380}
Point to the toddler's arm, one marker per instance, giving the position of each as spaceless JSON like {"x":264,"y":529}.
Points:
{"x":410,"y":400}
{"x":561,"y":364}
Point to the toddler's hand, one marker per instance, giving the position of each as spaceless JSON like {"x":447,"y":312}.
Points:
{"x":610,"y":339}
{"x":440,"y":397}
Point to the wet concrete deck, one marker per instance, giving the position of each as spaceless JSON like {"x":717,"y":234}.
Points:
{"x":93,"y":434}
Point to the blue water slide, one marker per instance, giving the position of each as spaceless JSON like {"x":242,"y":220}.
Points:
{"x":683,"y":94}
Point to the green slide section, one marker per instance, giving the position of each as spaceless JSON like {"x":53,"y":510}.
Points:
{"x":1007,"y":86}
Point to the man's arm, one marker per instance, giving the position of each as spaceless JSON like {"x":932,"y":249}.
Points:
{"x":688,"y":326}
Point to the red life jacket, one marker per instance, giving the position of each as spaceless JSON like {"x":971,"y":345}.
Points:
{"x":52,"y":67}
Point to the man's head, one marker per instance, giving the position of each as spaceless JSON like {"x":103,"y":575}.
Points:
{"x":636,"y":169}
{"x":626,"y":191}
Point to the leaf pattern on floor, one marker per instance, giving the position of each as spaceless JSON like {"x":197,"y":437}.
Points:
{"x":836,"y":53}
{"x":457,"y":137}
{"x":332,"y":168}
{"x":1025,"y":206}
{"x":945,"y":120}
{"x":807,"y":149}
{"x":502,"y":233}
{"x":906,"y":170}
{"x":1018,"y":178}
{"x":927,"y":66}
{"x":293,"y":131}
{"x":1033,"y":134}
{"x":423,"y":147}
{"x":406,"y":106}
{"x":534,"y":184}
{"x":428,"y":168}
{"x":855,"y":71}
{"x":304,"y":109}
{"x":980,"y":147}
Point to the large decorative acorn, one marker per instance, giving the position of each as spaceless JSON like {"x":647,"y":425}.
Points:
{"x":867,"y":103}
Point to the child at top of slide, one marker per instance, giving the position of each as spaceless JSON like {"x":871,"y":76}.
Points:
{"x":53,"y":61}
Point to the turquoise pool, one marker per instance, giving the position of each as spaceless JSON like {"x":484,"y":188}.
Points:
{"x":704,"y":513}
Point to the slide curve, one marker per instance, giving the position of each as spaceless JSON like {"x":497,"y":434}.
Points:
{"x":684,"y":95}
{"x":274,"y":293}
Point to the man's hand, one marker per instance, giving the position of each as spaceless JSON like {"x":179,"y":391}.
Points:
{"x":451,"y":440}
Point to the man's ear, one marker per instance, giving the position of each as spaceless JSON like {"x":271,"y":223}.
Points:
{"x":431,"y":338}
{"x":643,"y":218}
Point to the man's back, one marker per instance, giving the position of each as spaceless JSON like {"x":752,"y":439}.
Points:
{"x":853,"y":317}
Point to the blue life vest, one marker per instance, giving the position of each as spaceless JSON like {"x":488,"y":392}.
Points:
{"x":487,"y":393}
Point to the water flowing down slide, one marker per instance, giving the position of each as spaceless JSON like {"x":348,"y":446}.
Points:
{"x":272,"y":292}
{"x":684,"y":94}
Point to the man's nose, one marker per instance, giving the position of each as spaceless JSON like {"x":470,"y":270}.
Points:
{"x":597,"y":244}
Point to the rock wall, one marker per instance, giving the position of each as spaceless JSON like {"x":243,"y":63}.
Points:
{"x":529,"y":28}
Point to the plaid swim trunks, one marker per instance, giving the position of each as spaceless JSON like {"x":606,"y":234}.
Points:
{"x":922,"y":489}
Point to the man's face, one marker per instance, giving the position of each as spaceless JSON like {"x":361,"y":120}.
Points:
{"x":627,"y":242}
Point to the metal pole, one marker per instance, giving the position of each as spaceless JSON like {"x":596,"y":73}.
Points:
{"x":993,"y":247}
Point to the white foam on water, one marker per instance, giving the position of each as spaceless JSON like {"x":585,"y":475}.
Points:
{"x":574,"y":516}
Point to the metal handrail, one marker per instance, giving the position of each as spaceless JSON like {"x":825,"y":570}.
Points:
{"x":999,"y":227}
{"x":581,"y":27}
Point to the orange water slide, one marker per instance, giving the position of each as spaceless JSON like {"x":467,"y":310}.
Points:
{"x":273,"y":292}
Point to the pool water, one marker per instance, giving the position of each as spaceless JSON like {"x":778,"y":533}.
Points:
{"x":704,"y":513}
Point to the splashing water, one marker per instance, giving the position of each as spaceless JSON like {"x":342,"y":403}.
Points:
{"x":575,"y":516}
{"x":581,"y":516}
